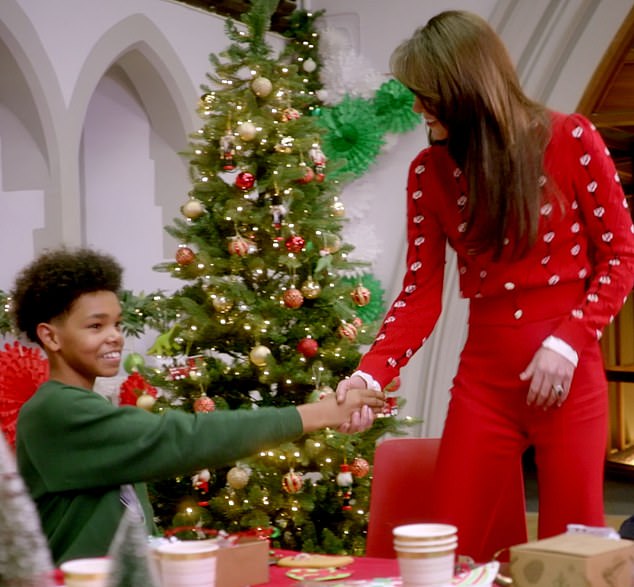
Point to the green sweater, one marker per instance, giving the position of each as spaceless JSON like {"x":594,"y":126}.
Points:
{"x":75,"y":449}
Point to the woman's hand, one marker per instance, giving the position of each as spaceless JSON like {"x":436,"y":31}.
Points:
{"x":362,"y":419}
{"x":550,"y":375}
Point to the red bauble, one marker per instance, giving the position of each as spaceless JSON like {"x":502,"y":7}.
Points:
{"x":204,"y":404}
{"x":245,"y":180}
{"x":308,"y":176}
{"x":360,"y":295}
{"x":293,"y":298}
{"x":349,"y":331}
{"x":309,"y":347}
{"x":184,"y":255}
{"x":357,"y":322}
{"x":292,"y":482}
{"x":359,"y":467}
{"x":295,"y":243}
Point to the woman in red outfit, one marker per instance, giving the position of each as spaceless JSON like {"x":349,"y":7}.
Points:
{"x":531,"y":202}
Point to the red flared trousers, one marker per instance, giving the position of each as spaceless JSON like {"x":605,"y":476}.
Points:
{"x":479,"y":484}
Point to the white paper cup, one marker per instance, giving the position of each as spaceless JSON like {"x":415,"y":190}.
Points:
{"x":86,"y":572}
{"x":424,"y":532}
{"x":189,"y":563}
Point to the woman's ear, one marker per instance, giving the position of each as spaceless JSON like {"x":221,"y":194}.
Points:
{"x":48,"y":335}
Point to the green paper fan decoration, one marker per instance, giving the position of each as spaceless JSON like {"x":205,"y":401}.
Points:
{"x":354,"y":135}
{"x":393,"y":107}
{"x":375,"y":309}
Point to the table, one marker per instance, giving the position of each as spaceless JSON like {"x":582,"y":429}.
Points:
{"x":361,"y":568}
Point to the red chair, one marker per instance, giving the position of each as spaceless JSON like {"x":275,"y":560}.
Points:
{"x":399,"y":464}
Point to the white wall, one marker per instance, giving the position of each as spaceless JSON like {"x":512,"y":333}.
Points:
{"x":97,"y":98}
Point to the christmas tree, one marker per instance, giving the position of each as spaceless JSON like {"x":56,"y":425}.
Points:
{"x":269,"y":315}
{"x":25,"y":560}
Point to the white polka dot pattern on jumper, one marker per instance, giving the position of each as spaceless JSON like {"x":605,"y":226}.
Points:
{"x":585,"y":160}
{"x":575,"y":250}
{"x":607,"y":237}
{"x":416,"y":265}
{"x":592,"y":298}
{"x":598,"y":334}
{"x":390,"y":319}
{"x":574,"y":205}
{"x":625,"y":203}
{"x":417,"y":194}
{"x":509,"y":285}
{"x":577,"y":132}
{"x":463,"y":270}
{"x":549,"y":236}
{"x":575,"y":228}
{"x":409,"y":353}
{"x":381,"y":336}
{"x":599,"y":211}
{"x":553,"y":280}
{"x":518,"y":314}
{"x":545,"y":260}
{"x":592,"y":187}
{"x":392,"y":362}
{"x":483,"y":274}
{"x":617,"y":177}
{"x":456,"y":172}
{"x":418,"y":218}
{"x":462,"y":201}
{"x":583,"y":273}
{"x":462,"y":227}
{"x":577,"y":313}
{"x":400,"y":304}
{"x":410,"y":289}
{"x":605,"y":280}
{"x":541,"y":182}
{"x":615,"y":262}
{"x":418,"y":241}
{"x":546,"y":209}
{"x":419,"y":169}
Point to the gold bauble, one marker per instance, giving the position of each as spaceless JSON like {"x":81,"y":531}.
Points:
{"x":237,"y":477}
{"x":311,"y":289}
{"x":247,"y":131}
{"x":221,"y":304}
{"x":259,"y":354}
{"x":146,"y":401}
{"x":261,"y":87}
{"x":338,"y":209}
{"x":192,"y":209}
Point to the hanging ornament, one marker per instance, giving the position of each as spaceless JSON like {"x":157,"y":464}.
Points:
{"x":205,"y":103}
{"x":360,"y":295}
{"x":247,"y":131}
{"x":344,"y":480}
{"x":228,"y":150}
{"x":356,"y":321}
{"x":311,"y":289}
{"x":133,"y":362}
{"x":309,"y":65}
{"x":285,"y":145}
{"x":319,"y":161}
{"x":308,"y":347}
{"x":320,"y":393}
{"x":238,"y":477}
{"x":245,"y":180}
{"x":278,"y":212}
{"x":338,"y":209}
{"x":359,"y":467}
{"x":290,"y":114}
{"x":145,"y":401}
{"x":292,"y":482}
{"x":192,"y":209}
{"x":307,"y":173}
{"x":240,"y":246}
{"x":293,"y":298}
{"x":221,"y":304}
{"x":259,"y":355}
{"x":184,"y":255}
{"x":204,"y":404}
{"x":349,"y":331}
{"x":201,"y":479}
{"x":261,"y":87}
{"x":295,"y":243}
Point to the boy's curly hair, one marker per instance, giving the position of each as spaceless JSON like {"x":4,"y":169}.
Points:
{"x":48,"y":286}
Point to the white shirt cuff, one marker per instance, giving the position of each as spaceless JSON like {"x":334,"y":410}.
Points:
{"x":562,"y":347}
{"x":370,"y":381}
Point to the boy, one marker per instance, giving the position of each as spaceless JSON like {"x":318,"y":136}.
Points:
{"x":79,"y":454}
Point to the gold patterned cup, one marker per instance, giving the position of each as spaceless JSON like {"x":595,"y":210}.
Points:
{"x":426,"y":554}
{"x":188,"y":563}
{"x":86,"y":572}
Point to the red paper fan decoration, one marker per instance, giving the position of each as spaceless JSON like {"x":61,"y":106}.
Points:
{"x":133,"y":387}
{"x":22,"y":370}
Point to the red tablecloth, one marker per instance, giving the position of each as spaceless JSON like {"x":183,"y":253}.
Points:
{"x":361,"y":568}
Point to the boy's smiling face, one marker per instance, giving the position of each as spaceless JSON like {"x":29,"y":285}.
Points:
{"x":86,"y":342}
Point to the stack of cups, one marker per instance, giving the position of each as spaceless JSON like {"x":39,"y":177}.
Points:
{"x":188,"y":563}
{"x":426,"y":554}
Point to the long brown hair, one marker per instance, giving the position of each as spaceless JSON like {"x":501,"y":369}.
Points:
{"x":461,"y":71}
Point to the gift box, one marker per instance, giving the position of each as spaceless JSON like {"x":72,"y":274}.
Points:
{"x":242,"y":562}
{"x":573,"y":559}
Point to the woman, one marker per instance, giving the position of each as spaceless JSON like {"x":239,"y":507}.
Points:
{"x":531,"y":202}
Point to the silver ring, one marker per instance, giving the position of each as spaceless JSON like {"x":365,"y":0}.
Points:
{"x":558,"y":389}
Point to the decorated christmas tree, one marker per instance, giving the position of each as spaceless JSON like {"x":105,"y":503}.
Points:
{"x":269,"y":314}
